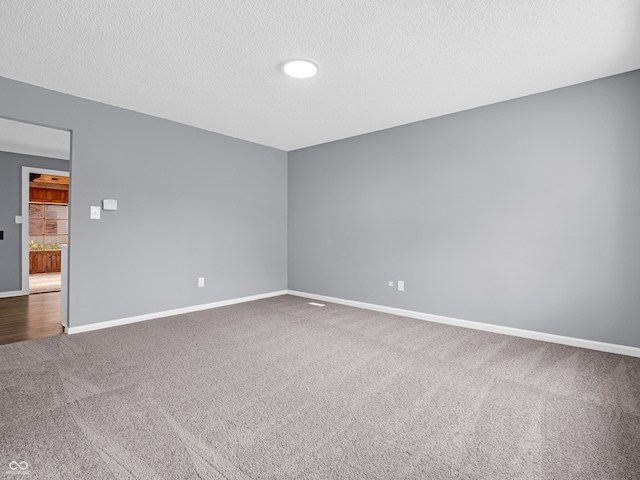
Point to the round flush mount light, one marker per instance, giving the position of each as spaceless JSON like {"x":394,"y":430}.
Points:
{"x":300,"y":69}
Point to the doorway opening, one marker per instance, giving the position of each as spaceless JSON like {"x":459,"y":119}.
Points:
{"x":34,"y":222}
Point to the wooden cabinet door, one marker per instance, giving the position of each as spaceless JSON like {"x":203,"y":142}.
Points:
{"x":47,"y":261}
{"x":48,"y":195}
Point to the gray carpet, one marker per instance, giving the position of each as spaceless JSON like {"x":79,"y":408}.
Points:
{"x":280,"y":389}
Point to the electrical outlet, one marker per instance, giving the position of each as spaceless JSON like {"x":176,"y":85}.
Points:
{"x":401,"y":285}
{"x":95,"y":213}
{"x":200,"y":282}
{"x":391,"y":283}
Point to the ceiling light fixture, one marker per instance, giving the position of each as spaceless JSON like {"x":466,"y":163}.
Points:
{"x":300,"y":69}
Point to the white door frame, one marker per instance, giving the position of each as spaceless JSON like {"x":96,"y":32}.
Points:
{"x":24,"y":241}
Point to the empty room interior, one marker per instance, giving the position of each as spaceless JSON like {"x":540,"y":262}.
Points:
{"x":320,"y":240}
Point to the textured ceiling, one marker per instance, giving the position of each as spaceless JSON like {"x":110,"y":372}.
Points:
{"x":217,"y":64}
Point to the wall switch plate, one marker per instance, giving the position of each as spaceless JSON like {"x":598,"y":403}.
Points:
{"x":95,"y":213}
{"x":391,"y":283}
{"x":401,"y":285}
{"x":200,"y":281}
{"x":18,"y":218}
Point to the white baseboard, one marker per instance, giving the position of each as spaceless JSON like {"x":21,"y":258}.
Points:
{"x":517,"y":332}
{"x":169,"y":313}
{"x":487,"y":327}
{"x":15,"y":293}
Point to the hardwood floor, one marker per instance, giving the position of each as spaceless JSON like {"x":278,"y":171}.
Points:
{"x":29,"y":317}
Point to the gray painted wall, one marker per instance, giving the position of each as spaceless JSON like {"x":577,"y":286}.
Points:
{"x":10,"y":199}
{"x":191,"y":203}
{"x":524,"y":214}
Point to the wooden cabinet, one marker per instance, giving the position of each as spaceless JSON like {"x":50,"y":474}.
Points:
{"x":48,"y":223}
{"x":48,"y":195}
{"x":44,"y":261}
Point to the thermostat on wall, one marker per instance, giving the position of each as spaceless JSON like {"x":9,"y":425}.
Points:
{"x":109,"y":204}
